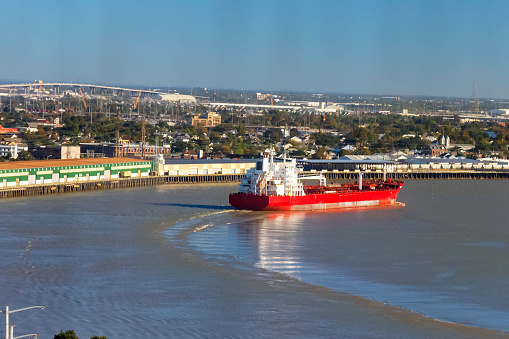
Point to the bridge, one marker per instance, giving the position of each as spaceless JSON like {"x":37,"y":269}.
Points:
{"x":227,"y":104}
{"x":68,"y":84}
{"x":93,"y":89}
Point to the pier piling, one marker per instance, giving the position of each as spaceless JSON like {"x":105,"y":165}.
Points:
{"x":32,"y":190}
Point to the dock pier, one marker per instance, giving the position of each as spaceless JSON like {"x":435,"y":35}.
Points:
{"x":424,"y":175}
{"x":33,"y":190}
{"x":93,"y":185}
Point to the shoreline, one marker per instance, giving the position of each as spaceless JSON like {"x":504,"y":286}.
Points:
{"x":93,"y":185}
{"x":70,"y":187}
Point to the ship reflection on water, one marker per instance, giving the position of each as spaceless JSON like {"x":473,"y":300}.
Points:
{"x":271,"y":239}
{"x":397,"y":256}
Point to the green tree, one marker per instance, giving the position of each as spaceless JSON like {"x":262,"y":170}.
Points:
{"x":325,"y":139}
{"x":226,"y":149}
{"x":294,"y":132}
{"x":96,"y":337}
{"x":66,"y":335}
{"x":163,"y":125}
{"x":25,"y":155}
{"x":273,"y":134}
{"x":180,"y":146}
{"x":362,"y":151}
{"x":320,"y":154}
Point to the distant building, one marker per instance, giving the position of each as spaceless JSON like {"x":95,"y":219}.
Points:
{"x":445,"y":141}
{"x":500,"y":112}
{"x":210,"y":119}
{"x":260,"y":96}
{"x":7,"y":130}
{"x":59,"y":152}
{"x":180,"y":98}
{"x":295,"y":139}
{"x":12,"y":148}
{"x":70,"y":152}
{"x":24,"y":173}
{"x":435,"y":150}
{"x":204,"y":166}
{"x":464,"y":147}
{"x":109,"y":149}
{"x":405,"y":113}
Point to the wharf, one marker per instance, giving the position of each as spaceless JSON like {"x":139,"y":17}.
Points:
{"x":92,"y":185}
{"x":33,"y":190}
{"x":421,"y":174}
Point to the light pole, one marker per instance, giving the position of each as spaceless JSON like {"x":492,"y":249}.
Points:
{"x":9,"y":329}
{"x":34,"y":335}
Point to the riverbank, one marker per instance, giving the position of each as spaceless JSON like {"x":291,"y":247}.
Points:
{"x":33,"y":190}
{"x":44,"y":189}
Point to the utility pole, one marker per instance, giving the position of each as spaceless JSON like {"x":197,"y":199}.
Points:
{"x":143,"y":122}
{"x":475,"y":99}
{"x":9,"y":329}
{"x":117,"y":135}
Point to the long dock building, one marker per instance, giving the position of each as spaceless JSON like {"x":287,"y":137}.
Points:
{"x":40,"y":172}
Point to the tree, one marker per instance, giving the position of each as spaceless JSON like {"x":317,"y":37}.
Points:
{"x":66,"y":335}
{"x":25,"y":155}
{"x":179,"y":146}
{"x":70,"y":334}
{"x":163,"y":125}
{"x":294,"y":132}
{"x":325,"y":139}
{"x":298,"y":153}
{"x":225,"y":149}
{"x":362,"y":151}
{"x":273,"y":134}
{"x":320,"y":154}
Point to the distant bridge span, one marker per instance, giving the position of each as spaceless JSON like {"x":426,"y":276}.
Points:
{"x":227,"y":104}
{"x":64,"y":84}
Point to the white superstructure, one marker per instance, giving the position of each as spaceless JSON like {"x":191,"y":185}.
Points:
{"x":271,"y":178}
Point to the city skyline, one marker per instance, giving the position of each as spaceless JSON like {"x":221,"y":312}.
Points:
{"x":430,"y":48}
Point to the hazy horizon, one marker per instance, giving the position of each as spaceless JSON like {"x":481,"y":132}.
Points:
{"x":404,"y":48}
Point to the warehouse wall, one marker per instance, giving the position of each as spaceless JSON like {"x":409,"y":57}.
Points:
{"x":62,"y":174}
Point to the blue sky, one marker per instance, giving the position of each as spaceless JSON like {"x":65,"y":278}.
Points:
{"x":368,"y":47}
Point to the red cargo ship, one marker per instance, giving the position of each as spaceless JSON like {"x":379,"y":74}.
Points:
{"x":280,"y":187}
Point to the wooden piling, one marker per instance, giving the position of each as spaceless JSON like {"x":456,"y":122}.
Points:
{"x":32,"y":190}
{"x":25,"y":191}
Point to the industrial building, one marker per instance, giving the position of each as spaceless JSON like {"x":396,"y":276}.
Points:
{"x":210,"y":119}
{"x":12,"y":149}
{"x":347,"y":164}
{"x":204,"y":166}
{"x":57,"y":152}
{"x":124,"y":149}
{"x":24,"y":173}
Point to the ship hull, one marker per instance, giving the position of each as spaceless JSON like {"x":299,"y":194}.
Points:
{"x":353,"y":199}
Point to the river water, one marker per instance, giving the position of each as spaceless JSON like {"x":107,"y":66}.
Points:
{"x":176,"y":261}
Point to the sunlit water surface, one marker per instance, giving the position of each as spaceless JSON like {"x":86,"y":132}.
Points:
{"x":177,"y":261}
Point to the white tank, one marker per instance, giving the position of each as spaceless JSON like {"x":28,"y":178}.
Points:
{"x":159,"y":164}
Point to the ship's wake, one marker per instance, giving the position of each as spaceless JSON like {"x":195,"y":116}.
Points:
{"x":269,"y":246}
